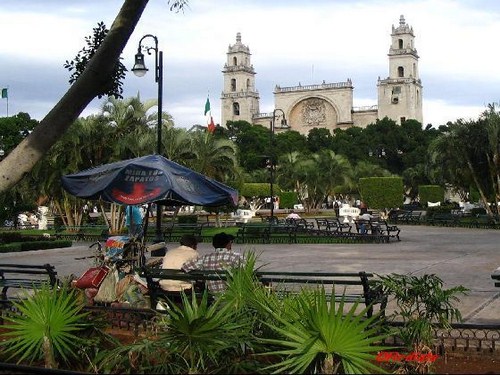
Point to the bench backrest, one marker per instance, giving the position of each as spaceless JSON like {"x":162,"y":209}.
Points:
{"x":17,"y":276}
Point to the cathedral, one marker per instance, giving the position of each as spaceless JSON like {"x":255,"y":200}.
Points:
{"x":326,"y":105}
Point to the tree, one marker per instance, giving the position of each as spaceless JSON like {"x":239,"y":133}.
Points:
{"x":89,"y":84}
{"x":213,"y":157}
{"x":460,"y":158}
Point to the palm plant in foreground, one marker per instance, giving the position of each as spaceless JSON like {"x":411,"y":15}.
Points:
{"x":46,"y":328}
{"x":321,"y":337}
{"x":195,"y":337}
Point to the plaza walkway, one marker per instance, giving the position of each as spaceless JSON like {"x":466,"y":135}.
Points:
{"x":460,"y":256}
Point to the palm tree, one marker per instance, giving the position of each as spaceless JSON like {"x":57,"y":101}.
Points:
{"x":213,"y":157}
{"x":133,"y":125}
{"x":315,"y":176}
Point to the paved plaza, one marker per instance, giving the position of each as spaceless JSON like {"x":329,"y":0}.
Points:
{"x":457,"y":255}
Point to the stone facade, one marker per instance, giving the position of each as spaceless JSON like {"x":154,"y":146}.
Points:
{"x":326,"y":105}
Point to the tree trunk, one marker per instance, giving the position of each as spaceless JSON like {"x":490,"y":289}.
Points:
{"x":91,"y":82}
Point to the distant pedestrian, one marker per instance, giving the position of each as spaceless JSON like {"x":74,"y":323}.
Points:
{"x":336,"y":208}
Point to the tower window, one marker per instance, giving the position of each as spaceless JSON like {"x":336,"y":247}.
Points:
{"x":402,"y":119}
{"x":401,"y":71}
{"x":400,"y":43}
{"x":236,"y":109}
{"x":248,"y":84}
{"x":233,"y":84}
{"x":235,"y":61}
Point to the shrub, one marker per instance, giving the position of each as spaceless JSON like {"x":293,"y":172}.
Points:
{"x":430,"y":193}
{"x":33,"y":245}
{"x":6,"y":237}
{"x":288,"y":199}
{"x":187,"y":219}
{"x":381,"y":192}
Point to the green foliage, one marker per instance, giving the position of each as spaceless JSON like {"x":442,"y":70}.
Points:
{"x":422,"y":304}
{"x":47,"y":327}
{"x":288,"y":199}
{"x":194,"y":337}
{"x":33,"y":245}
{"x":257,"y":189}
{"x":381,"y":192}
{"x":10,"y":236}
{"x":317,"y":336}
{"x":187,"y":219}
{"x":430,"y":193}
{"x":113,"y":87}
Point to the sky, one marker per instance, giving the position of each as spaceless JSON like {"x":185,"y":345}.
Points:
{"x":291,"y":42}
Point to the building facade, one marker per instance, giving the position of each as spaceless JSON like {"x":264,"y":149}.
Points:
{"x":326,"y":105}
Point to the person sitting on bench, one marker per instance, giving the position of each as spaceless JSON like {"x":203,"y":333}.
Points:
{"x":222,"y":258}
{"x":175,"y":258}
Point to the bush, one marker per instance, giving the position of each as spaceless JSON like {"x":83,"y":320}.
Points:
{"x":381,"y":192}
{"x":478,"y":211}
{"x":430,"y":193}
{"x":288,"y":199}
{"x":187,"y":219}
{"x":33,"y":245}
{"x":10,"y":247}
{"x":7,"y":237}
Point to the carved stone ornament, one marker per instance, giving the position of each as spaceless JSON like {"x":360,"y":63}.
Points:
{"x":313,"y":112}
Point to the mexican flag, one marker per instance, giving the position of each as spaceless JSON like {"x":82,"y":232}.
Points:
{"x":5,"y":94}
{"x":208,"y":115}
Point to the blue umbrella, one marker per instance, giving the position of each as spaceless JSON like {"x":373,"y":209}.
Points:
{"x":147,"y":179}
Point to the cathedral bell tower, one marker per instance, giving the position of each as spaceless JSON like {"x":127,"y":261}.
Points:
{"x":239,"y":98}
{"x":400,"y":95}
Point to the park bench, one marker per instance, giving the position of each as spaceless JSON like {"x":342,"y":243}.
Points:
{"x":389,"y":231}
{"x":16,"y":277}
{"x":351,"y":286}
{"x":443,"y":219}
{"x":174,"y":231}
{"x":496,"y":276}
{"x":302,"y":225}
{"x":485,"y":221}
{"x":329,"y":226}
{"x":370,"y":230}
{"x":267,"y":233}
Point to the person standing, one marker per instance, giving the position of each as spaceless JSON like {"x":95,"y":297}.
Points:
{"x":222,"y":258}
{"x":133,"y":221}
{"x":175,"y":258}
{"x":336,"y":208}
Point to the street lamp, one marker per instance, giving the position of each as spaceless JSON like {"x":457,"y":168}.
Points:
{"x":140,"y":70}
{"x":283,"y":125}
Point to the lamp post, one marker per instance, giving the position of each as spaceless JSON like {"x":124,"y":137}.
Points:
{"x":140,"y":70}
{"x":283,"y":125}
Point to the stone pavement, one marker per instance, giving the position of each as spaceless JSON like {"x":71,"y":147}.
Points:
{"x":459,"y":256}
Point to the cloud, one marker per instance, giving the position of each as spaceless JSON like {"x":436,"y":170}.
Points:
{"x":290,"y":41}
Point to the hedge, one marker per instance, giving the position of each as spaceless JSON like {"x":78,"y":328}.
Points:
{"x":382,"y":192}
{"x":34,"y":245}
{"x":430,"y":193}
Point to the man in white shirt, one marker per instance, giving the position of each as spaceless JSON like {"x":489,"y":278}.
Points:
{"x":175,"y":258}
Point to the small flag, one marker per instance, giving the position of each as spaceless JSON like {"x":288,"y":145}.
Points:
{"x":208,"y":115}
{"x":5,"y":95}
{"x":211,"y":125}
{"x":207,"y":106}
